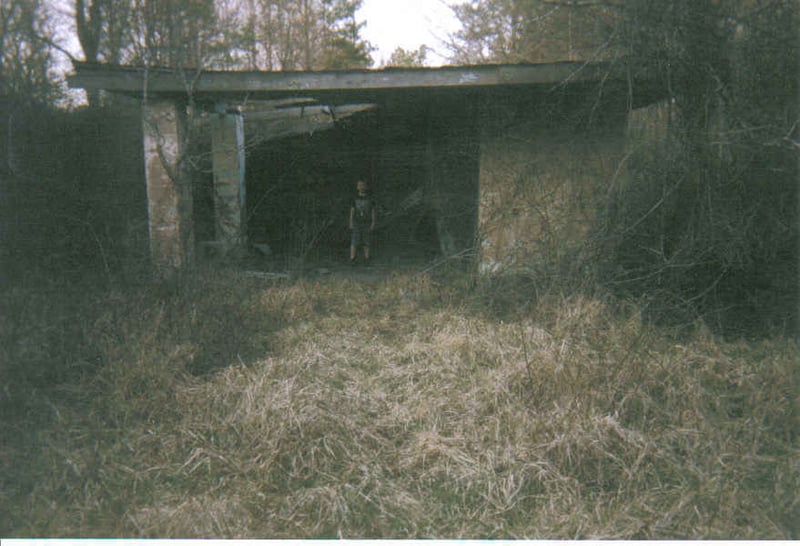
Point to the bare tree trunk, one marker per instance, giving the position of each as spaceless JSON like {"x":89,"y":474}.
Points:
{"x":89,"y":25}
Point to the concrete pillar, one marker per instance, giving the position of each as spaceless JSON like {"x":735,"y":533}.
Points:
{"x":451,"y":155}
{"x":169,"y":190}
{"x":227,"y":141}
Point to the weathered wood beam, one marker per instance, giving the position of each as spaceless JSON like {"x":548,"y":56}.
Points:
{"x":286,"y":122}
{"x":299,"y":112}
{"x":258,"y":105}
{"x":283,"y":128}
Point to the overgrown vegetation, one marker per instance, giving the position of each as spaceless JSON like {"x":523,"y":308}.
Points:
{"x":224,"y":405}
{"x":218,"y":404}
{"x":73,"y":198}
{"x":706,"y":221}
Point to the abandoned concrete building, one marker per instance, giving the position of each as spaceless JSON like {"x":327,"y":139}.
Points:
{"x":506,"y":161}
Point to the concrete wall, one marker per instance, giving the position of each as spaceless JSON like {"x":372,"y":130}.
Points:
{"x":542,"y":178}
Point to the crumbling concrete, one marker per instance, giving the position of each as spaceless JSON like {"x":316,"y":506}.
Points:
{"x":169,"y":191}
{"x":227,"y":152}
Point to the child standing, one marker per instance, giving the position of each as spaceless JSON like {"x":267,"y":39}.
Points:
{"x":362,"y":221}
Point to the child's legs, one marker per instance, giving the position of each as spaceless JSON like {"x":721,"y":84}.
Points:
{"x":355,"y":239}
{"x":366,"y":239}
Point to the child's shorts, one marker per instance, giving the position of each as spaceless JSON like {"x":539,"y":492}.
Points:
{"x":361,"y":236}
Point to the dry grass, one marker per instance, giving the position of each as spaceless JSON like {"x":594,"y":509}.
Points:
{"x":238,"y":407}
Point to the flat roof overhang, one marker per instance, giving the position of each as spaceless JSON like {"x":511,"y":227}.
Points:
{"x":354,"y":85}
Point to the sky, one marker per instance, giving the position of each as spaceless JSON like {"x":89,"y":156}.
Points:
{"x":407,"y":24}
{"x":389,"y":24}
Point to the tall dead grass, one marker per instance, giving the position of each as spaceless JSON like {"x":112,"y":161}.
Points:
{"x":238,"y":407}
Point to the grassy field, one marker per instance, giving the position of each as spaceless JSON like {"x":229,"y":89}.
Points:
{"x":404,"y":406}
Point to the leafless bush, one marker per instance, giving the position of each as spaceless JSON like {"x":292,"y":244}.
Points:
{"x":707,"y":239}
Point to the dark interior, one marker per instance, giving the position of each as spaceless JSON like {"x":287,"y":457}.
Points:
{"x":418,"y":149}
{"x":412,"y":149}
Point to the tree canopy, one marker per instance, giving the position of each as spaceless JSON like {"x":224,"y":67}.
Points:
{"x":532,"y":31}
{"x":234,"y":34}
{"x":401,"y":57}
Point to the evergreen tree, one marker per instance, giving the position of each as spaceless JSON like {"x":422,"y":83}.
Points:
{"x":297,"y":35}
{"x":343,"y":47}
{"x":404,"y":58}
{"x":530,"y":31}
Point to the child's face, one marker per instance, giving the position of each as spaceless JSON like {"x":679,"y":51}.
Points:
{"x":361,"y":187}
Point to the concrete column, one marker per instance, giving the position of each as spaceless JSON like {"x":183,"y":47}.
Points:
{"x":169,"y":190}
{"x":227,"y":141}
{"x":451,"y":156}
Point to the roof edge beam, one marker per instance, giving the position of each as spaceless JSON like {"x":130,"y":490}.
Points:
{"x":142,"y":80}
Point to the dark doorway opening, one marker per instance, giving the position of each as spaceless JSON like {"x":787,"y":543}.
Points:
{"x":418,"y":152}
{"x":299,"y":190}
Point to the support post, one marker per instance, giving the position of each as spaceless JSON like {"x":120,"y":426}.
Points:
{"x":451,"y":157}
{"x":169,"y":190}
{"x":227,"y":141}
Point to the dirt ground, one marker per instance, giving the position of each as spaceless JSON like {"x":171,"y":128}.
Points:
{"x":335,"y":263}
